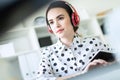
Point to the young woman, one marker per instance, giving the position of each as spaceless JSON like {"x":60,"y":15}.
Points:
{"x":72,"y":53}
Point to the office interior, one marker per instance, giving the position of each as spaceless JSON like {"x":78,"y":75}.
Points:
{"x":21,"y":45}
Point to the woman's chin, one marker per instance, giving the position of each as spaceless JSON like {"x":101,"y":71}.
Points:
{"x":60,"y":35}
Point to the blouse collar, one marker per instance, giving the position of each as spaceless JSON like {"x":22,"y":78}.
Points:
{"x":75,"y":39}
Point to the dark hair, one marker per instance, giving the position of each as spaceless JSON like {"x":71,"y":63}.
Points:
{"x":64,"y":5}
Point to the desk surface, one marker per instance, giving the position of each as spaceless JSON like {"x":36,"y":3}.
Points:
{"x":110,"y":72}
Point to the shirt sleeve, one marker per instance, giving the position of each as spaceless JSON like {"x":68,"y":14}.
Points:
{"x":45,"y":69}
{"x":92,"y":46}
{"x":100,"y":46}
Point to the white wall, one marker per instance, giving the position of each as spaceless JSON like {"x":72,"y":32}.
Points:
{"x":91,"y":6}
{"x":95,"y":6}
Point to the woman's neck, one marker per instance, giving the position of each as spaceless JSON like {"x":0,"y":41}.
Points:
{"x":67,"y":40}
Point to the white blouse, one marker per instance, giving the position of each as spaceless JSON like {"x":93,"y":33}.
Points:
{"x":59,"y":60}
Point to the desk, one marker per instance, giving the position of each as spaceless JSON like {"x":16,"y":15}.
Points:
{"x":9,"y":70}
{"x":110,"y":72}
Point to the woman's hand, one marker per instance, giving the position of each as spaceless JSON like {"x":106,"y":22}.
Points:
{"x":95,"y":63}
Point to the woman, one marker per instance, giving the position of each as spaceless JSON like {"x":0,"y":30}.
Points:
{"x":72,"y":53}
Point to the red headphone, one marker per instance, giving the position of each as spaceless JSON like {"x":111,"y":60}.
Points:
{"x":74,"y":16}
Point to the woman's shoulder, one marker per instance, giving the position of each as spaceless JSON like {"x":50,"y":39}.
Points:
{"x":46,"y":51}
{"x":93,"y":38}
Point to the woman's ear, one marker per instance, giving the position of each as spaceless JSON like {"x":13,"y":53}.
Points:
{"x":49,"y":29}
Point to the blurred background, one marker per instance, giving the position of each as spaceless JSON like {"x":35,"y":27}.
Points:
{"x":23,"y":31}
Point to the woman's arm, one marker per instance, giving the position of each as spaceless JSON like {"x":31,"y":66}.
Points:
{"x":91,"y":65}
{"x":69,"y":76}
{"x":95,"y":63}
{"x":44,"y":67}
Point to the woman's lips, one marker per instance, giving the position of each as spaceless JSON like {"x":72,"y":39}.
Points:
{"x":60,"y":30}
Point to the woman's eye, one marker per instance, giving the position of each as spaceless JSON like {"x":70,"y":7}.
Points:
{"x":50,"y":22}
{"x":61,"y":18}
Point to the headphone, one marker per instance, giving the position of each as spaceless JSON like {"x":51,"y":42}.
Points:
{"x":75,"y":17}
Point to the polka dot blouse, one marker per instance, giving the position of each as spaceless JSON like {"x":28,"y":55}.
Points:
{"x":59,"y":60}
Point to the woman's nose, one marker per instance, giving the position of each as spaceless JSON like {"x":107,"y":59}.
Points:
{"x":57,"y":24}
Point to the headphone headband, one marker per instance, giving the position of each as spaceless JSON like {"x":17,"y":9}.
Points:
{"x":72,"y":8}
{"x":75,"y":16}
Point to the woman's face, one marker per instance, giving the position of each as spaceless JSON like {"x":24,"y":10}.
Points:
{"x":60,"y":23}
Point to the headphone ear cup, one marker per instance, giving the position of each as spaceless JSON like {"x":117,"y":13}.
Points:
{"x":75,"y":19}
{"x":49,"y":29}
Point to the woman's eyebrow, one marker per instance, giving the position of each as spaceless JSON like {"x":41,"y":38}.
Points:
{"x":59,"y":15}
{"x":50,"y":20}
{"x":56,"y":17}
